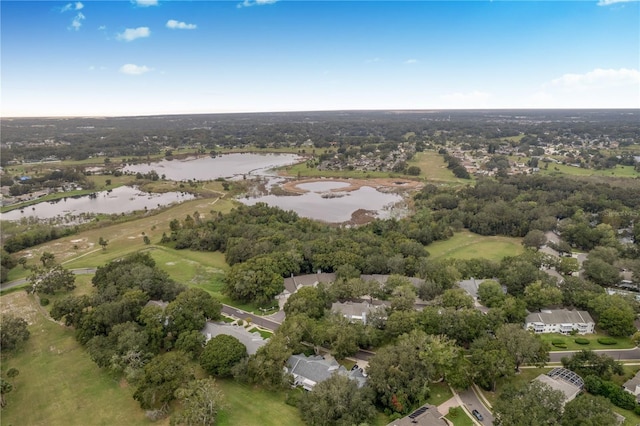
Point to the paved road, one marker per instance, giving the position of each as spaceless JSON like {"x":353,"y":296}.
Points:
{"x":617,"y":354}
{"x":256,"y":319}
{"x":472,"y":402}
{"x":21,"y":281}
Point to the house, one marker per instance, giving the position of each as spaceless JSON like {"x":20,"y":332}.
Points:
{"x":633,"y":386}
{"x":427,"y":415}
{"x":560,"y":321}
{"x":252,"y":341}
{"x":566,"y":381}
{"x":309,"y":371}
{"x":355,"y":311}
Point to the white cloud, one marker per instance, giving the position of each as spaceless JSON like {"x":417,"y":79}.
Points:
{"x":131,"y":34}
{"x":176,"y":25}
{"x":133,"y":69}
{"x":145,"y":3}
{"x":72,"y":6}
{"x":474,"y":99}
{"x":411,"y":61}
{"x":76,"y":23}
{"x":372,"y":60}
{"x":600,"y":88}
{"x":610,"y":2}
{"x":597,"y":79}
{"x":102,"y":27}
{"x":249,"y":3}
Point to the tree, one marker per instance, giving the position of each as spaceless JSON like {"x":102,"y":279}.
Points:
{"x":103,"y":243}
{"x":490,"y":293}
{"x":490,"y":362}
{"x":13,"y":332}
{"x":200,"y":402}
{"x":567,"y":265}
{"x":146,"y":240}
{"x":191,"y":309}
{"x":456,"y":298}
{"x":534,"y":239}
{"x":311,"y":301}
{"x":532,"y":404}
{"x":617,"y":321}
{"x":600,"y":272}
{"x":588,"y":410}
{"x":522,"y":346}
{"x":256,"y":280}
{"x":47,"y":259}
{"x":162,"y":376}
{"x":413,"y":170}
{"x":48,"y":281}
{"x":221,"y":354}
{"x":587,"y":362}
{"x":403,"y":298}
{"x":540,"y":295}
{"x":5,"y":388}
{"x":337,"y":401}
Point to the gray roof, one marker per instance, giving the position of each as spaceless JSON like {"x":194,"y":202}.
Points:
{"x":383,"y":279}
{"x":560,"y":316}
{"x":470,"y":286}
{"x":566,"y":381}
{"x":427,"y":415}
{"x":354,"y":309}
{"x":252,"y":341}
{"x":308,"y":371}
{"x":632,"y":384}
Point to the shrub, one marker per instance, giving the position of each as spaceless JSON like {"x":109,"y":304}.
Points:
{"x":607,"y":341}
{"x":44,"y":301}
{"x":559,"y":343}
{"x":581,"y":341}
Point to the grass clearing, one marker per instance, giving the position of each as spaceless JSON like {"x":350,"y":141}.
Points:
{"x":563,"y":169}
{"x":467,"y":245}
{"x":58,"y":383}
{"x":440,"y":392}
{"x":254,"y":406}
{"x":434,"y":168}
{"x":460,"y":418}
{"x":571,"y":345}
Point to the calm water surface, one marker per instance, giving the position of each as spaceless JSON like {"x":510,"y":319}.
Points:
{"x":224,"y":166}
{"x":123,"y":199}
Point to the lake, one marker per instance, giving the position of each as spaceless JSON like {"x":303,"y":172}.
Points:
{"x":326,"y":203}
{"x":123,"y":199}
{"x":224,"y":166}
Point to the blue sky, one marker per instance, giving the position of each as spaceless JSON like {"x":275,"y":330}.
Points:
{"x":110,"y":58}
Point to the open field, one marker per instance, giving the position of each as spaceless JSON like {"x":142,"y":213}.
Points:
{"x":467,"y":245}
{"x":433,"y":168}
{"x":562,"y":169}
{"x":440,"y":393}
{"x":569,"y":341}
{"x":302,"y":170}
{"x":82,"y":250}
{"x":58,"y":383}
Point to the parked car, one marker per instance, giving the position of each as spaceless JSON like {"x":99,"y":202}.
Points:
{"x":477,"y":415}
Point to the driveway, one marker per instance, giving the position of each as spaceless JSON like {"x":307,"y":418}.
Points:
{"x":472,"y":402}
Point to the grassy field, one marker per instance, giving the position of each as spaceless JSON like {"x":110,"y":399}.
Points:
{"x":569,"y":341}
{"x":433,"y":168}
{"x":562,"y":169}
{"x":461,"y":419}
{"x":58,"y":383}
{"x":467,"y":245}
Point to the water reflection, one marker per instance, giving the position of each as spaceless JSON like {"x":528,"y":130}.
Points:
{"x":123,"y":199}
{"x":224,"y":166}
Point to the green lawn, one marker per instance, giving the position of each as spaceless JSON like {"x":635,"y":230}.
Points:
{"x":433,"y":168}
{"x":467,"y":245}
{"x":58,"y":383}
{"x":460,"y":419}
{"x":440,"y":392}
{"x":569,"y":341}
{"x":253,"y":406}
{"x":562,"y":169}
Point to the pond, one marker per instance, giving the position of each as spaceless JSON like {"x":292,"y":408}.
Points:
{"x":123,"y":199}
{"x":224,"y":166}
{"x":334,"y":206}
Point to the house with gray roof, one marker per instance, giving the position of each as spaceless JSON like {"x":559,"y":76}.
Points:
{"x":561,"y":321}
{"x":356,"y":311}
{"x":427,"y":415}
{"x":309,"y":371}
{"x":252,"y":341}
{"x":566,"y":381}
{"x":633,"y":386}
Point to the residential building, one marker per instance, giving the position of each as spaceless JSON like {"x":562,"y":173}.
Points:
{"x":633,"y":386}
{"x":427,"y":415}
{"x":355,"y":311}
{"x":566,"y":381}
{"x":561,"y":321}
{"x":309,"y":371}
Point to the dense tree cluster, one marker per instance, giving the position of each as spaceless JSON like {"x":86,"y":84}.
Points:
{"x":13,"y":332}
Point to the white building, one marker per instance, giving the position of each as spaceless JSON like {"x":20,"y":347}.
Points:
{"x":560,"y":321}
